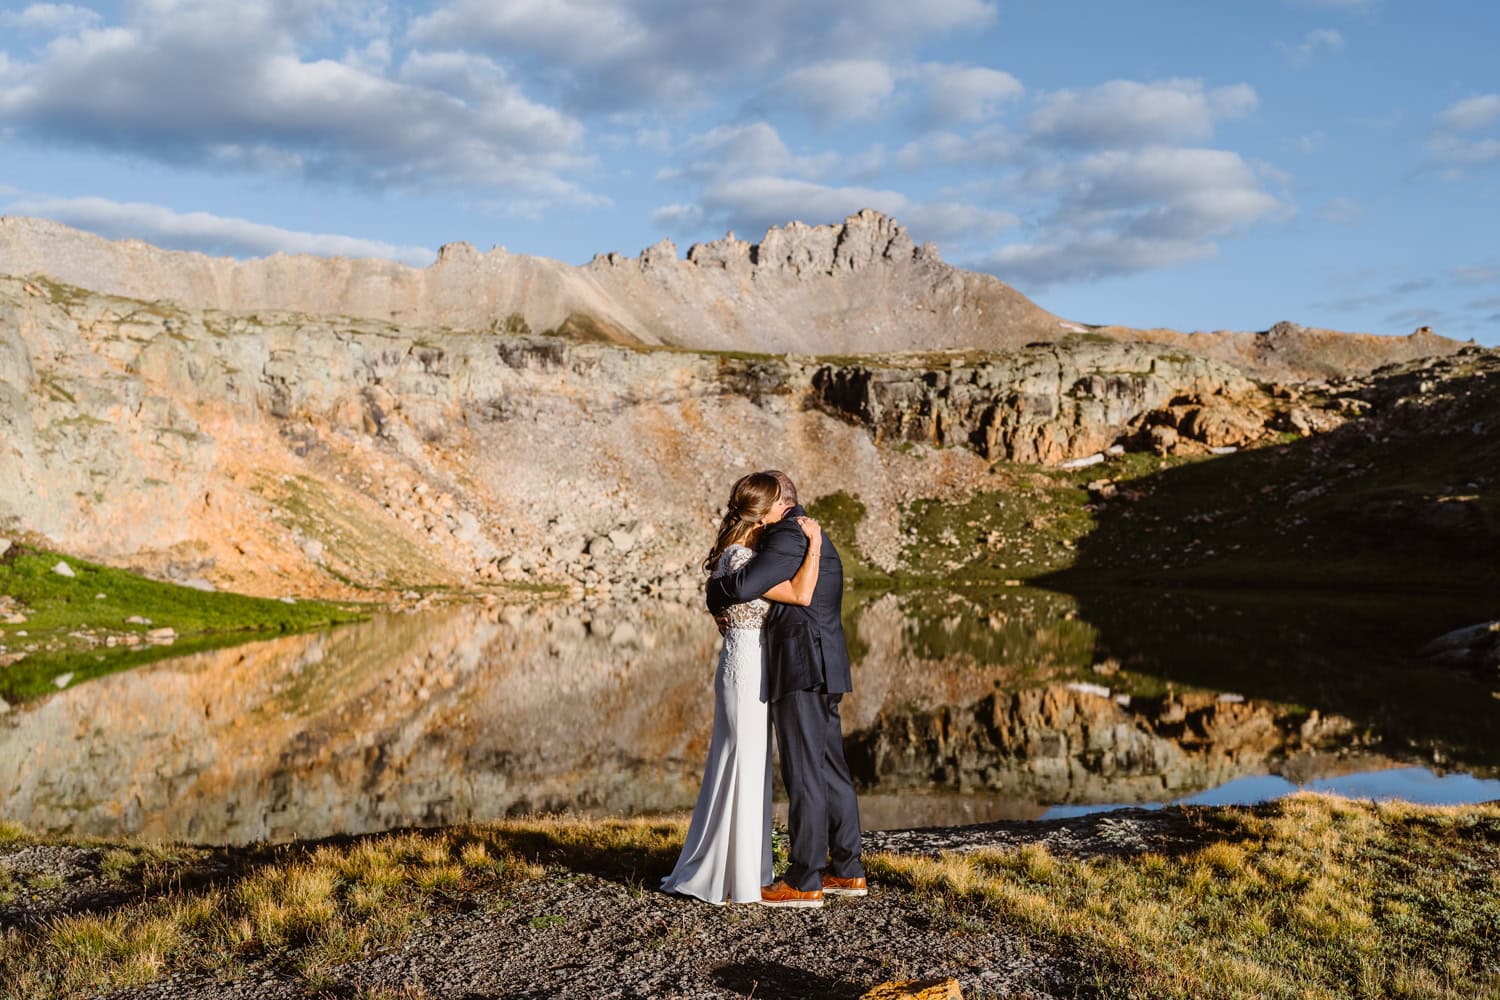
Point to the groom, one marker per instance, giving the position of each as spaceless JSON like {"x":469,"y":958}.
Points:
{"x":807,"y":672}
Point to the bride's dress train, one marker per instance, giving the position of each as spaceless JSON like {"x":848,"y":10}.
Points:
{"x":727,"y":857}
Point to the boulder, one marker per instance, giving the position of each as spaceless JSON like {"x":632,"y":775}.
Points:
{"x":1220,"y":424}
{"x":63,"y":569}
{"x":916,"y":989}
{"x":1474,"y":647}
{"x":1163,"y":439}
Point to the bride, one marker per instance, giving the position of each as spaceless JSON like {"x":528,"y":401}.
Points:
{"x":727,"y":857}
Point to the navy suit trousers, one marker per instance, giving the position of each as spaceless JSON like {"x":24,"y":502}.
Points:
{"x":822,"y":811}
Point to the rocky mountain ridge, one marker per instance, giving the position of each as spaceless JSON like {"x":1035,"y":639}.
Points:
{"x":860,"y":286}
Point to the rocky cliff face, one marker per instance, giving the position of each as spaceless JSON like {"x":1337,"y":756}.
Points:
{"x":278,"y":452}
{"x":1051,"y":402}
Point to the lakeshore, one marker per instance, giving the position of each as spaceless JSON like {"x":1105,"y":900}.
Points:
{"x":1309,"y":896}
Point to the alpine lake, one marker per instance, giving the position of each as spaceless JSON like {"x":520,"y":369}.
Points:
{"x":969,"y":706}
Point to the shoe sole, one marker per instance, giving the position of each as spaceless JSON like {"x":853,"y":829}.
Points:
{"x":796,"y":904}
{"x":846,"y":892}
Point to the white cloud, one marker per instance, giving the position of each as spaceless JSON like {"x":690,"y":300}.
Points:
{"x":225,"y":85}
{"x":871,"y":162}
{"x":1124,"y":211}
{"x":904,"y":19}
{"x":991,"y":145}
{"x":1089,"y":257}
{"x":1471,"y":113}
{"x":1452,"y":144}
{"x":1129,"y":113}
{"x":1343,"y":212}
{"x":965,"y":93}
{"x":840,"y":90}
{"x":611,"y":54}
{"x":1311,"y":142}
{"x":753,"y":149}
{"x":208,"y":233}
{"x":1301,"y":53}
{"x":950,"y":222}
{"x":49,"y":18}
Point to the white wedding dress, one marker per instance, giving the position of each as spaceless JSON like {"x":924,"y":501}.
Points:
{"x":727,"y":857}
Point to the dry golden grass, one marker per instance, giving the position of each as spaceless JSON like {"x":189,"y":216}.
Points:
{"x":331,"y":903}
{"x":1313,"y":897}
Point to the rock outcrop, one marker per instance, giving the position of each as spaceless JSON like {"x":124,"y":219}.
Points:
{"x":1050,"y":402}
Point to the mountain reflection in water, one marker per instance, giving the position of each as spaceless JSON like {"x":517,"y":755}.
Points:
{"x":968,"y":707}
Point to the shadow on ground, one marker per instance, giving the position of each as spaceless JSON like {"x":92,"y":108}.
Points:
{"x":775,"y":979}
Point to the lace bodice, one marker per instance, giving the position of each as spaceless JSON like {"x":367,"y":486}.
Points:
{"x":751,"y":614}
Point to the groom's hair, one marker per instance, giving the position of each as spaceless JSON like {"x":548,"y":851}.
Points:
{"x":788,"y":488}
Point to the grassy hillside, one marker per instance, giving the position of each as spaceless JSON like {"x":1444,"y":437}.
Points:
{"x":75,"y":627}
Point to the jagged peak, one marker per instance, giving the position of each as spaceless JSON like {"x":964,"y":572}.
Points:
{"x":867,"y":237}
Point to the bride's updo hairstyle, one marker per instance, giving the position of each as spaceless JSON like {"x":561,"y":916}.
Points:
{"x":750,"y":500}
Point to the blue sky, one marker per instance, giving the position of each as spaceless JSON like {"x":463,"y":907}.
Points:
{"x":1200,"y":165}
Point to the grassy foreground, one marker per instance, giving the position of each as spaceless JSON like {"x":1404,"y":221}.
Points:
{"x":80,"y":625}
{"x":1307,"y":897}
{"x":1311,"y":897}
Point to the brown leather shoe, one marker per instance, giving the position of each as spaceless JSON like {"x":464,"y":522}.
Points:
{"x":835,"y":886}
{"x":778,"y":893}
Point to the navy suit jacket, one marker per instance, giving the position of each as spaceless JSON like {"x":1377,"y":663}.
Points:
{"x":804,"y":647}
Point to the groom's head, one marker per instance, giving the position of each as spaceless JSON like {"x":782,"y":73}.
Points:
{"x":788,"y":488}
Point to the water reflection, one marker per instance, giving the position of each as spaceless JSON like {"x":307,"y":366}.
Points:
{"x":968,"y":707}
{"x":1409,"y":784}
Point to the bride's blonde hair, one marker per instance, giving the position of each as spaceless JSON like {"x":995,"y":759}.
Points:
{"x":750,"y":499}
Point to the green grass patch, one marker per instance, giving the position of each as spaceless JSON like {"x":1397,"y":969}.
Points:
{"x":840,"y":515}
{"x":1016,"y":533}
{"x":1020,"y":627}
{"x":67,"y":621}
